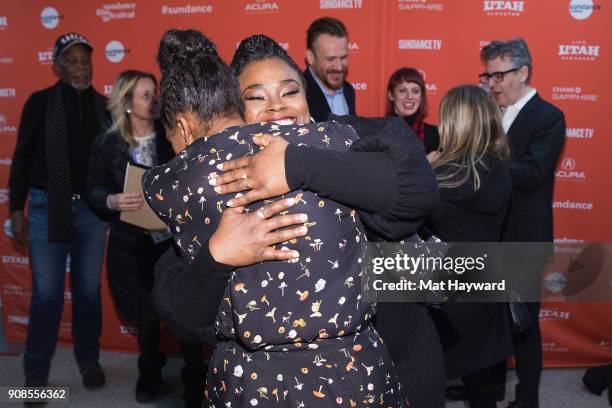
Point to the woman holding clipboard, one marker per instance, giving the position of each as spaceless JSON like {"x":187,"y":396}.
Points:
{"x":136,"y":139}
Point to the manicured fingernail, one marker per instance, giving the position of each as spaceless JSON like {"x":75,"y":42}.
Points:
{"x":302,"y":230}
{"x":220,"y":166}
{"x":213,"y":174}
{"x":295,"y":254}
{"x":230,"y":203}
{"x":213,"y":181}
{"x":303,"y":217}
{"x":291,"y":201}
{"x":260,"y":214}
{"x":218,"y":190}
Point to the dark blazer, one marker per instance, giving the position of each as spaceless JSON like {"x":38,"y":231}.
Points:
{"x":536,"y":139}
{"x":317,"y":103}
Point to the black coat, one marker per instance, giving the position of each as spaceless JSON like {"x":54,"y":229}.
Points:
{"x":131,"y":252}
{"x":480,"y":334}
{"x":536,"y":139}
{"x":317,"y":103}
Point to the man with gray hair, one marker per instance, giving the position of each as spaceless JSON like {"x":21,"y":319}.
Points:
{"x":536,"y":133}
{"x":50,"y":166}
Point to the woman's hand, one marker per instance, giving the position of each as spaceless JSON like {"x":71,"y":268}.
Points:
{"x":433,"y":156}
{"x":125,"y":201}
{"x":246,"y":238}
{"x":263,"y":173}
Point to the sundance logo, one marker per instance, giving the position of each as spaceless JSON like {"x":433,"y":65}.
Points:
{"x":568,"y":170}
{"x":15,"y":260}
{"x":18,"y":319}
{"x":403,"y":5}
{"x":3,"y":22}
{"x":353,"y":47}
{"x":6,"y":60}
{"x":340,"y":4}
{"x":572,"y":205}
{"x":108,"y":89}
{"x":572,"y":93}
{"x":261,"y":6}
{"x":115,"y":52}
{"x":50,"y":18}
{"x":582,"y":9}
{"x":580,"y":133}
{"x":188,"y":9}
{"x":7,"y":92}
{"x":117,"y":11}
{"x":503,"y":8}
{"x":554,"y":315}
{"x":130,"y":330}
{"x":579,"y":51}
{"x":433,"y":45}
{"x":5,"y":127}
{"x":45,"y":57}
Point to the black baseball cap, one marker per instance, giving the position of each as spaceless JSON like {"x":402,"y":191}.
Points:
{"x":67,"y":40}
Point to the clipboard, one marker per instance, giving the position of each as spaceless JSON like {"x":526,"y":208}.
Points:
{"x":144,"y":217}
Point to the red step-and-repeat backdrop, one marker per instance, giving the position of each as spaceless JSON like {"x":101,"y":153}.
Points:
{"x":570,"y":42}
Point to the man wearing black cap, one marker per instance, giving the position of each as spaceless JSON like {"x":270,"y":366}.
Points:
{"x":50,"y":163}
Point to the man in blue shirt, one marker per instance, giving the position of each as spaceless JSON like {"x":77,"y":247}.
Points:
{"x":327,"y":90}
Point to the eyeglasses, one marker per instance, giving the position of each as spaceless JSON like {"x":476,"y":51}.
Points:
{"x":497,"y":76}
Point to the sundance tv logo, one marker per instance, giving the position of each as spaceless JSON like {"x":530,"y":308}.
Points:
{"x":433,"y":88}
{"x":188,"y":9}
{"x":580,"y":133}
{"x":50,"y":18}
{"x":117,"y":11}
{"x":6,"y":60}
{"x":582,"y":9}
{"x":572,"y":93}
{"x":115,"y":51}
{"x":579,"y":51}
{"x":568,"y":170}
{"x":5,"y":127}
{"x":261,"y":6}
{"x":340,"y":4}
{"x":412,"y":5}
{"x":503,"y":8}
{"x":411,"y":44}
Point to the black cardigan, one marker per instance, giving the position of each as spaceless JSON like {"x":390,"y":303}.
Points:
{"x":396,"y":191}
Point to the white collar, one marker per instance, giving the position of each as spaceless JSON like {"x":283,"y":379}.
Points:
{"x":523,"y":101}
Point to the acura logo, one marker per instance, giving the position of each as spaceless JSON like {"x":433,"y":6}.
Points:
{"x":569,"y":164}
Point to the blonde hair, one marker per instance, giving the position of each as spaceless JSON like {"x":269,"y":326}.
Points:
{"x":120,"y":102}
{"x":470,"y":128}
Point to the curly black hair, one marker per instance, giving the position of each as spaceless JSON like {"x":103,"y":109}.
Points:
{"x":195,"y":78}
{"x":258,"y":47}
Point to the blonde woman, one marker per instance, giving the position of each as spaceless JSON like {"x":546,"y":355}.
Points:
{"x":136,"y":137}
{"x":475,"y":186}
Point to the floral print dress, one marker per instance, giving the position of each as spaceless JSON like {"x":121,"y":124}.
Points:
{"x":293,"y":333}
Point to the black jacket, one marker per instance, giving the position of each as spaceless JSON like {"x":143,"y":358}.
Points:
{"x":109,"y":157}
{"x":479,"y":335}
{"x":317,"y":103}
{"x":536,"y":139}
{"x":29,"y":168}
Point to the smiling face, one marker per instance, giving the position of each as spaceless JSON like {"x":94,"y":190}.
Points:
{"x":406,"y":98}
{"x":273,"y":92}
{"x":329,"y":60}
{"x":514,"y":85}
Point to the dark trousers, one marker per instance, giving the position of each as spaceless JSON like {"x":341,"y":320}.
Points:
{"x":483,"y":386}
{"x":528,"y":353}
